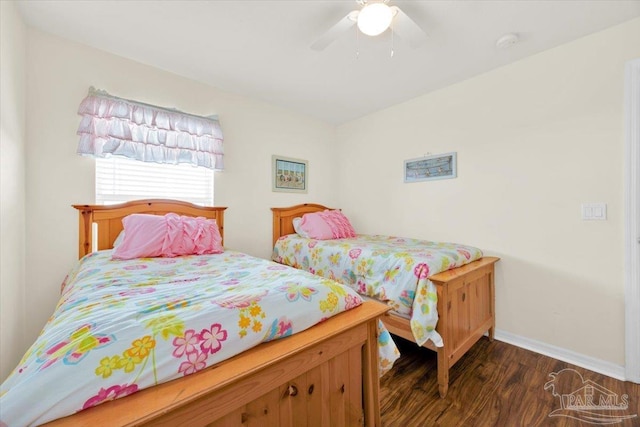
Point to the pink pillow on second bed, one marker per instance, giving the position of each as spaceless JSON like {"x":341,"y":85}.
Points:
{"x":325,"y":226}
{"x":148,"y":236}
{"x":315,"y":227}
{"x":339,"y":224}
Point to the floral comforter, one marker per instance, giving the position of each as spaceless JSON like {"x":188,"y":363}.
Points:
{"x":391,"y":269}
{"x":121,"y":326}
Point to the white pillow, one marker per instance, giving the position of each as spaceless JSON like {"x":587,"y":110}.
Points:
{"x":299,"y":231}
{"x":118,"y":240}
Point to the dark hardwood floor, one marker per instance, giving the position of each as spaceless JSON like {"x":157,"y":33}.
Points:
{"x":497,"y":384}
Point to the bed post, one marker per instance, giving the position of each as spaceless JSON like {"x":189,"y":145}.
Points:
{"x":276,"y":225}
{"x":371,"y":377}
{"x":85,"y":241}
{"x":443,"y":372}
{"x":492,"y":302}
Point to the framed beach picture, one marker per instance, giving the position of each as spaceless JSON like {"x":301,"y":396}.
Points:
{"x":289,"y":175}
{"x":429,"y":168}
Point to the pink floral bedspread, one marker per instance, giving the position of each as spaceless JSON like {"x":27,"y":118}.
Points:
{"x":121,"y":326}
{"x":390,"y":269}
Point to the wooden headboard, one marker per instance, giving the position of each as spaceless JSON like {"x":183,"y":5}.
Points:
{"x":283,"y":218}
{"x":109,"y":219}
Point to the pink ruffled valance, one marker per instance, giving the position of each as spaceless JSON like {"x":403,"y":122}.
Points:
{"x":120,"y":127}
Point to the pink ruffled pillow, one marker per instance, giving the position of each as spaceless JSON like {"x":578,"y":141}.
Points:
{"x":340,"y":225}
{"x":171,"y":235}
{"x":325,"y":226}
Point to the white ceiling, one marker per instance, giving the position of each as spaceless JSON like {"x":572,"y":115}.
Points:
{"x":261,"y":48}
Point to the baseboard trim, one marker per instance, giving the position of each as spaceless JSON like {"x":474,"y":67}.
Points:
{"x":601,"y":366}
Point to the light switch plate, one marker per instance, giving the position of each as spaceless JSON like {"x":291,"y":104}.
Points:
{"x":594,"y":211}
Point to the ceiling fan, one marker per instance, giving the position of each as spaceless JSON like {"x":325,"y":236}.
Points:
{"x":373,"y":18}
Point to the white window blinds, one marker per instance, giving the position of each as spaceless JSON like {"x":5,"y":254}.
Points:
{"x":119,"y":180}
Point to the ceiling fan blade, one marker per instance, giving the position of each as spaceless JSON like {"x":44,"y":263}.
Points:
{"x":407,"y":29}
{"x":334,"y":32}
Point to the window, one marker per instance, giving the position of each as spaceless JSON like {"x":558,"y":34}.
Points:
{"x":120,"y":179}
{"x":144,"y":151}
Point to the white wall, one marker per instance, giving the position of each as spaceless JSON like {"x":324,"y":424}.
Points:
{"x":59,"y":74}
{"x":12,"y":188}
{"x":535,"y":139}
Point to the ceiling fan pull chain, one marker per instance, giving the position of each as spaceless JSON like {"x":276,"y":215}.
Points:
{"x":391,"y":29}
{"x":357,"y":42}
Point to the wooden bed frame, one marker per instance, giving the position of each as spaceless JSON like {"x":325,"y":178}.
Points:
{"x":326,"y":375}
{"x":108,"y":219}
{"x":466,"y":301}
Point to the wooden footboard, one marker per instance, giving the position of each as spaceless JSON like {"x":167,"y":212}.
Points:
{"x":466,"y":310}
{"x":466,"y":301}
{"x":326,"y":375}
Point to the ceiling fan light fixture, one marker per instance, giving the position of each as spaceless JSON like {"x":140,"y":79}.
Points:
{"x":375,"y":18}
